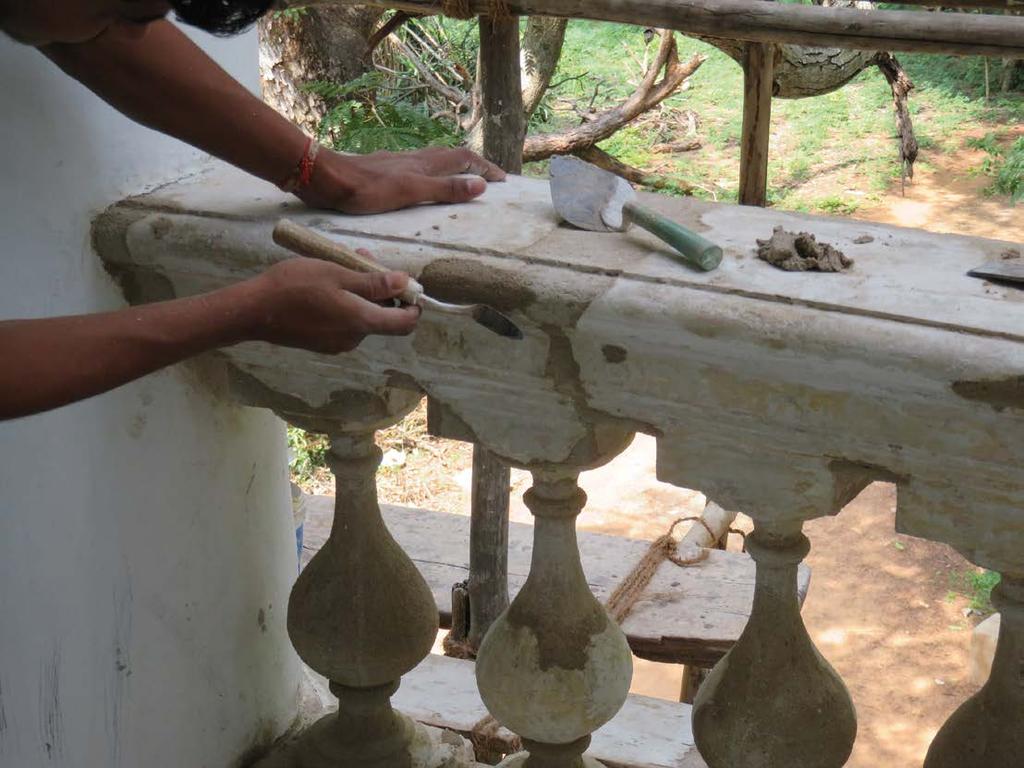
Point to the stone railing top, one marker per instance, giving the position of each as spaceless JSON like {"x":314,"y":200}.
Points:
{"x":777,"y":393}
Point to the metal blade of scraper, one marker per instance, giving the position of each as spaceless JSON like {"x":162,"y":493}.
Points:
{"x":587,"y":197}
{"x":1005,"y":270}
{"x":592,"y":198}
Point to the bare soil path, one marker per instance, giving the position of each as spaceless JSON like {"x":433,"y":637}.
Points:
{"x":949,"y":195}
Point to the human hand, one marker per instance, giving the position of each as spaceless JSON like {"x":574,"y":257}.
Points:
{"x":326,"y":308}
{"x":387,"y":181}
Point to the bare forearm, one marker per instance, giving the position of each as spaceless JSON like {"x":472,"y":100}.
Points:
{"x":163,"y":80}
{"x":51,"y":362}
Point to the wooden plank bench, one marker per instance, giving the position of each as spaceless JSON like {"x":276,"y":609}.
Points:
{"x":687,"y":615}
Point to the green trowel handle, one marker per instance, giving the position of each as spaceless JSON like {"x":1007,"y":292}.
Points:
{"x":694,"y":249}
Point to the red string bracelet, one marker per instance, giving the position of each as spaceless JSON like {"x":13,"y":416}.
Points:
{"x":302,"y":176}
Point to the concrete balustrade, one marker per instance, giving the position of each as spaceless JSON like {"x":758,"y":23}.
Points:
{"x":555,"y":667}
{"x":986,"y":729}
{"x":360,"y":613}
{"x":774,"y":700}
{"x":779,"y":394}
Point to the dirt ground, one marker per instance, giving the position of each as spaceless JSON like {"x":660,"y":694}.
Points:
{"x":879,"y":607}
{"x":949,"y":195}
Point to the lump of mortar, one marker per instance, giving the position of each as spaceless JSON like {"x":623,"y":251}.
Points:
{"x":801,"y":253}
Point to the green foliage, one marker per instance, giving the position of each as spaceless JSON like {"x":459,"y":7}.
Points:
{"x":837,"y":206}
{"x":365,"y":127}
{"x":292,"y":14}
{"x":989,"y":143}
{"x":1007,"y":166}
{"x":308,"y":453}
{"x":363,"y":117}
{"x":1010,"y":178}
{"x":977,"y":586}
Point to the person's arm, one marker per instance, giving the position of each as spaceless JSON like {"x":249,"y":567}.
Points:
{"x":303,"y":303}
{"x":160,"y":78}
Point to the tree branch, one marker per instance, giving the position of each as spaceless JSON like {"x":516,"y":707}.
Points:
{"x":391,"y":25}
{"x":600,"y":158}
{"x":649,"y":94}
{"x":901,"y":87}
{"x":457,"y":98}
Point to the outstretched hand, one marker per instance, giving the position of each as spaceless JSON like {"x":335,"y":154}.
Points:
{"x":325,"y":308}
{"x":387,"y":181}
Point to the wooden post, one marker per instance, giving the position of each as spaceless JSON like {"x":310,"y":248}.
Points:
{"x":488,"y":543}
{"x":758,"y":76}
{"x":714,"y":532}
{"x":503,"y":122}
{"x":503,"y":127}
{"x":693,"y":679}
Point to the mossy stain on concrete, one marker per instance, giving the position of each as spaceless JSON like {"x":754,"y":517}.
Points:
{"x":613,"y":354}
{"x":1000,"y":394}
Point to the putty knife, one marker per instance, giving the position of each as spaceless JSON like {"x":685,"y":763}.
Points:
{"x":305,"y":242}
{"x":1009,"y":269}
{"x":591,"y":198}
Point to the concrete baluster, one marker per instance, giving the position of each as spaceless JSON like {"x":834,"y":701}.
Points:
{"x":361,"y":615}
{"x":773,"y":701}
{"x":554,"y":667}
{"x":987,"y":731}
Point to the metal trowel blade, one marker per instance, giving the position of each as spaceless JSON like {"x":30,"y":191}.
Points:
{"x":1005,"y":270}
{"x":587,"y":196}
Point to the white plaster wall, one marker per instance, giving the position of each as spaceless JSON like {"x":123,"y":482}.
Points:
{"x":146,"y":545}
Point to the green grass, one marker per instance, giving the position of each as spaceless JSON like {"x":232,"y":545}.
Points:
{"x":1010,"y":177}
{"x":977,"y":587}
{"x":846,"y":138}
{"x":1005,"y":164}
{"x":308,"y":453}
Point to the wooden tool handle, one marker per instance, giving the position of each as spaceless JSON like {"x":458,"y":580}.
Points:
{"x":305,"y":242}
{"x":695,"y":250}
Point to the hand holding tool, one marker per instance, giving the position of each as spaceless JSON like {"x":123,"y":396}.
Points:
{"x":305,"y":242}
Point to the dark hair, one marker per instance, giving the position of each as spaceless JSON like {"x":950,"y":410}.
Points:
{"x":221,"y":17}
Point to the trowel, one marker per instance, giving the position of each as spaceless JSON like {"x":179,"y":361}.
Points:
{"x":1008,"y":269}
{"x":305,"y":242}
{"x":591,"y":198}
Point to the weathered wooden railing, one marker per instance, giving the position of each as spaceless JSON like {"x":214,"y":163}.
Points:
{"x":760,"y":24}
{"x":778,"y":394}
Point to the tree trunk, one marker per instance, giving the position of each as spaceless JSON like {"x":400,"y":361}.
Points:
{"x":542,"y":48}
{"x":1013,"y":69}
{"x":304,"y":45}
{"x":802,"y":71}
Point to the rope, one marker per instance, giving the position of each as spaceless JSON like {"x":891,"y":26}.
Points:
{"x":484,"y":737}
{"x":456,"y":9}
{"x":461,"y":9}
{"x":622,"y":601}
